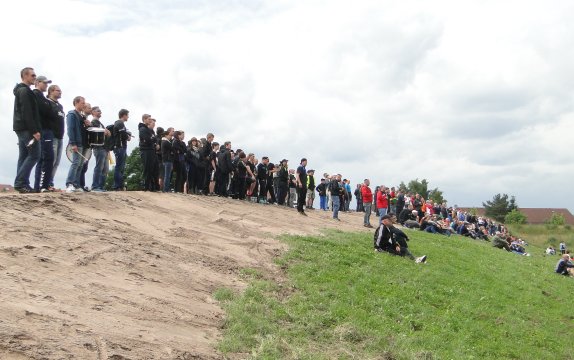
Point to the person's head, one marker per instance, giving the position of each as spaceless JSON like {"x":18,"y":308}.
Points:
{"x":42,"y":83}
{"x":160,"y":131}
{"x":145,"y":118}
{"x":322,"y":181}
{"x":242,"y":156}
{"x":123,"y":114}
{"x":96,"y":112}
{"x":181,"y":135}
{"x":54,"y":92}
{"x":566,"y":256}
{"x":79,"y":102}
{"x":209,"y":137}
{"x":151,"y":123}
{"x":28,"y":76}
{"x":367,"y":182}
{"x":227,"y":145}
{"x":87,"y":110}
{"x":250,"y":156}
{"x":387,"y":220}
{"x":284,"y":162}
{"x":215,"y":146}
{"x":303,"y":162}
{"x":311,"y":172}
{"x":193,"y":142}
{"x":265,"y":160}
{"x":168,"y":132}
{"x":177,"y":134}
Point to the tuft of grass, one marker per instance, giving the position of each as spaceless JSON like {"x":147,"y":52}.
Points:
{"x":341,"y":300}
{"x":544,"y":235}
{"x":224,"y":294}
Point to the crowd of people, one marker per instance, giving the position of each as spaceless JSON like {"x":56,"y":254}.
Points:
{"x":206,"y":167}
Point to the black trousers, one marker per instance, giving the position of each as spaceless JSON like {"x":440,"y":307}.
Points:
{"x":282,"y":192}
{"x":180,"y":175}
{"x":221,"y":182}
{"x":301,"y":196}
{"x":263,"y":189}
{"x":150,"y":170}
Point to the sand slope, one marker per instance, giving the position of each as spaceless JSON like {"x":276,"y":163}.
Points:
{"x":130,"y":275}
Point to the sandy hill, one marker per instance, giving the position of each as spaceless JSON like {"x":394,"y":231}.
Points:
{"x":130,"y":275}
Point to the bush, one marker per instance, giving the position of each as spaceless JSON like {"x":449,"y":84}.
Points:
{"x":515,"y":217}
{"x":556,"y":219}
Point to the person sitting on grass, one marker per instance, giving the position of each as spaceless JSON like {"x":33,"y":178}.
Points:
{"x":500,"y":242}
{"x":564,"y":266}
{"x":384,"y":241}
{"x":550,"y":251}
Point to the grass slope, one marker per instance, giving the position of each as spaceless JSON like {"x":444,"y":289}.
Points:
{"x":342,"y":300}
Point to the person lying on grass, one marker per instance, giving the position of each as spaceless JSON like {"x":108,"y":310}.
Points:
{"x":564,"y":266}
{"x":387,"y":240}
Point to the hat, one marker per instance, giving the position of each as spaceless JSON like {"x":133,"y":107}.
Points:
{"x":43,"y":79}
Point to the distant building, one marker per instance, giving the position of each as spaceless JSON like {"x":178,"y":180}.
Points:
{"x":535,"y":215}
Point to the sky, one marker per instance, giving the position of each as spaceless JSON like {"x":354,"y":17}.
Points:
{"x":474,"y":96}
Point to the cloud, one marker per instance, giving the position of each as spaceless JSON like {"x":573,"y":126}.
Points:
{"x":474,"y":97}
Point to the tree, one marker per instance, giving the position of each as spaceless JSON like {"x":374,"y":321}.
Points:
{"x":556,"y":219}
{"x":132,"y":174}
{"x":419,"y":187}
{"x":515,"y":216}
{"x":499,"y":206}
{"x":436,"y":196}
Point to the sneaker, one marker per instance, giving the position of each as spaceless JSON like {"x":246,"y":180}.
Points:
{"x":25,"y":190}
{"x":85,"y":189}
{"x":302,"y":213}
{"x":337,"y":219}
{"x":421,"y":259}
{"x":43,"y":190}
{"x":98,"y":190}
{"x":70,"y":188}
{"x":369,"y":226}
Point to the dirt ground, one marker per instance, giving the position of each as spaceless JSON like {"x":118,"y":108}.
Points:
{"x":131,"y":275}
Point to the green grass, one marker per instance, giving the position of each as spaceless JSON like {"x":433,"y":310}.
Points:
{"x":340,"y":300}
{"x":544,"y":235}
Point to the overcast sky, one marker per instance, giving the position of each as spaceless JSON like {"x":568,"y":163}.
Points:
{"x":474,"y":96}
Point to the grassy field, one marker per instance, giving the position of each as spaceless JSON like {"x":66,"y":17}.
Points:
{"x":340,"y":300}
{"x":544,"y":235}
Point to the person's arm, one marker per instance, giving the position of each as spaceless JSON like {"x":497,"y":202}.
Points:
{"x":71,"y":126}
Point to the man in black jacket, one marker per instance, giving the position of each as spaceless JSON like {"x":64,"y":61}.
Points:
{"x":224,"y":168}
{"x":262,"y":172}
{"x":100,"y":153}
{"x":121,"y":137}
{"x":26,"y":124}
{"x":46,"y":161}
{"x":58,"y":125}
{"x":387,"y":240}
{"x":282,"y":182}
{"x":148,"y":143}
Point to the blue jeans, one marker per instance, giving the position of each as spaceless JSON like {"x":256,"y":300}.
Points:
{"x":101,"y":169}
{"x":27,"y":158}
{"x":120,"y":168}
{"x":323,"y":202}
{"x":76,"y":168}
{"x":57,"y":145}
{"x":336,"y":205}
{"x":367,"y":217}
{"x":46,"y":162}
{"x":382,"y":212}
{"x":167,"y":168}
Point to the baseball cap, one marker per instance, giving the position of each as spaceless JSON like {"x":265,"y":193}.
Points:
{"x":43,"y":79}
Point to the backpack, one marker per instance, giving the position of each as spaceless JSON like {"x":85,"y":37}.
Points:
{"x":110,"y":141}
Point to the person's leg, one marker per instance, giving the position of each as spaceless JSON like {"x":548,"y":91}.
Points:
{"x":99,"y":154}
{"x":167,"y":167}
{"x":120,"y":168}
{"x":301,"y":192}
{"x":57,"y":144}
{"x":382,"y":212}
{"x":336,"y":205}
{"x":405,"y":252}
{"x":28,"y":156}
{"x":367,"y":217}
{"x":47,"y":159}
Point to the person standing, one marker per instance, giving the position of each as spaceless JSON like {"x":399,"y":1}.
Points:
{"x":282,"y":182}
{"x":46,"y":161}
{"x":262,"y":171}
{"x":26,"y":125}
{"x":167,"y":158}
{"x":75,"y":124}
{"x":59,"y":123}
{"x":382,"y":202}
{"x":121,"y":138}
{"x":179,"y":168}
{"x":367,"y":198}
{"x":86,"y":145}
{"x":562,"y":248}
{"x":147,"y":145}
{"x":322,"y":190}
{"x":301,"y":181}
{"x":336,"y":190}
{"x":310,"y":188}
{"x":100,"y":153}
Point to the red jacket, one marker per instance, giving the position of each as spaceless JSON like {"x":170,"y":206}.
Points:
{"x":366,"y":194}
{"x":382,"y":201}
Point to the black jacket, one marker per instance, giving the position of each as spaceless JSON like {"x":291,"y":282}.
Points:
{"x":26,"y":114}
{"x":147,"y":139}
{"x":120,"y":134}
{"x":58,"y":118}
{"x":383,"y":239}
{"x":224,"y":162}
{"x":44,"y":109}
{"x":283,"y":175}
{"x":166,"y":150}
{"x":179,"y":150}
{"x":322,"y":189}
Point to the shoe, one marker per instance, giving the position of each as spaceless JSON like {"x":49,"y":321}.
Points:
{"x":43,"y":190}
{"x":70,"y":189}
{"x":85,"y":189}
{"x":421,"y":259}
{"x":302,"y":213}
{"x":98,"y":190}
{"x":369,"y":226}
{"x":337,"y":219}
{"x":25,"y":190}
